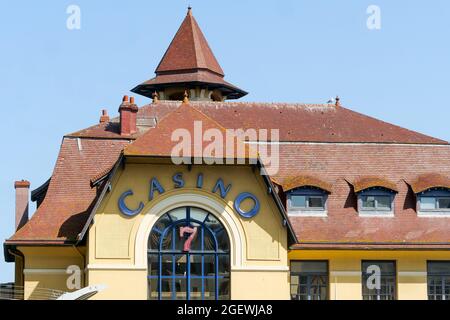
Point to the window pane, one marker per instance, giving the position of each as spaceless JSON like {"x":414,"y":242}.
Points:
{"x":209,"y":244}
{"x":196,"y":265}
{"x":198,"y":214}
{"x":153,"y":289}
{"x":428,"y":203}
{"x":168,"y":241}
{"x":167,"y":265}
{"x":315,"y":202}
{"x":368,"y":202}
{"x":180,"y":265}
{"x":153,"y":240}
{"x":309,"y":266}
{"x":153,"y":265}
{"x":383,"y":202}
{"x":439,"y":268}
{"x":224,"y":265}
{"x":224,"y":289}
{"x":195,"y":238}
{"x":387,"y":281}
{"x":209,"y":266}
{"x":298,"y":201}
{"x":294,"y":286}
{"x":210,"y":288}
{"x":180,"y":289}
{"x":166,"y":289}
{"x":444,"y":203}
{"x":178,"y":214}
{"x":222,"y":239}
{"x":387,"y":267}
{"x":162,"y":223}
{"x":212,"y":223}
{"x":196,"y":289}
{"x":191,"y":238}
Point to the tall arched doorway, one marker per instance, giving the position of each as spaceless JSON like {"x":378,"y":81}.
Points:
{"x":188,"y":257}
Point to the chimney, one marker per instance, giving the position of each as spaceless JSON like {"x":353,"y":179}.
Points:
{"x":128,"y":114}
{"x":22,"y":194}
{"x":104,"y":117}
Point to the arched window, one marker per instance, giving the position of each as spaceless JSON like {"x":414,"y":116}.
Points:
{"x":188,"y":257}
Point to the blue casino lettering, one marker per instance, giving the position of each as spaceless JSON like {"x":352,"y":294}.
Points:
{"x":219,"y":188}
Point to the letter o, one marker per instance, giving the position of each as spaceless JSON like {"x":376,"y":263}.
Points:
{"x":237,"y":205}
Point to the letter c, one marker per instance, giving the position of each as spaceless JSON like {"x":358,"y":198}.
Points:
{"x":123,"y":207}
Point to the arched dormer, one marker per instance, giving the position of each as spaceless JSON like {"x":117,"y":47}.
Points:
{"x":375,"y":196}
{"x":306,"y":196}
{"x":433,"y":195}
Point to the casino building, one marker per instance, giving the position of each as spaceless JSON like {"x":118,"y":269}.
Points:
{"x":353,"y":197}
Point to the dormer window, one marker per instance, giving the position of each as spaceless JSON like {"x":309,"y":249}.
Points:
{"x":307,"y":201}
{"x":376,"y":201}
{"x":434,"y":202}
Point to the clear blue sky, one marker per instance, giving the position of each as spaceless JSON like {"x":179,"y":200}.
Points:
{"x":55,"y":81}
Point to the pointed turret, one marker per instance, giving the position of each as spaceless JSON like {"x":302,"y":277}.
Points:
{"x":189,"y":65}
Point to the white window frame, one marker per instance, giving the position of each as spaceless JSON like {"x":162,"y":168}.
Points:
{"x":436,"y":193}
{"x":307,"y":212}
{"x":376,"y":212}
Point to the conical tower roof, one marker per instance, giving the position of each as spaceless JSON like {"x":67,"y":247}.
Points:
{"x":189,"y":63}
{"x":189,"y":50}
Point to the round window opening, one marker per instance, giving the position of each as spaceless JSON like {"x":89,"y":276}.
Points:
{"x":188,"y":257}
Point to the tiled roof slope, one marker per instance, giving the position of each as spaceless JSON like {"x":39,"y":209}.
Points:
{"x":189,"y":50}
{"x":66,"y":206}
{"x":183,"y":118}
{"x":340,"y":163}
{"x":296,"y":122}
{"x":64,"y":211}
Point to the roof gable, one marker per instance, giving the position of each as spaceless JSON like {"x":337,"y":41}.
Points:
{"x":160,"y":142}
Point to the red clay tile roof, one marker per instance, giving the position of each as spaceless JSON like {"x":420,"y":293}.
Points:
{"x":296,"y":122}
{"x":193,"y":77}
{"x":66,"y":206}
{"x":189,"y":50}
{"x":69,"y":198}
{"x":429,"y":180}
{"x":363,"y":183}
{"x":298,"y":181}
{"x":183,"y":118}
{"x":189,"y":62}
{"x":347,"y":162}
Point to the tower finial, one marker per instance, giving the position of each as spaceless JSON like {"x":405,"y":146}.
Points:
{"x":186,"y":97}
{"x":338,"y":103}
{"x":189,"y":13}
{"x":155,"y":97}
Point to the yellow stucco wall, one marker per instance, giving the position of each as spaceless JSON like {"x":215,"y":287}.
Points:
{"x":116,"y":251}
{"x":117,"y":244}
{"x":345,"y":270}
{"x":46,"y":269}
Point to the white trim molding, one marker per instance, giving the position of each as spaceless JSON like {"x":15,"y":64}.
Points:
{"x":45,"y":271}
{"x":412,"y":273}
{"x":262,"y":268}
{"x":345,"y":273}
{"x":114,"y":267}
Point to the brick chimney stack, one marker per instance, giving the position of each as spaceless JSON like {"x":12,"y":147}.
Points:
{"x":128,"y":115}
{"x":104,"y":117}
{"x":22,"y":194}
